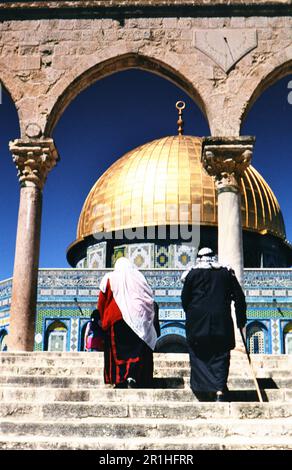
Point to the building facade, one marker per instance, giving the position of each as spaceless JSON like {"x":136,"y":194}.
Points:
{"x":60,"y":326}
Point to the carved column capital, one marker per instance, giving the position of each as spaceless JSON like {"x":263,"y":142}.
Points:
{"x":33,"y":160}
{"x":227,"y":159}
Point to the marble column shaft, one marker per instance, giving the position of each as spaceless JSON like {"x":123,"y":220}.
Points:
{"x":226,"y":159}
{"x":33,"y":160}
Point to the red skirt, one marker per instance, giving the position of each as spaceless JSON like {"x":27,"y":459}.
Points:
{"x":126,"y":355}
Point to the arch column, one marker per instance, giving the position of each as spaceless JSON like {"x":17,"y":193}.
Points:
{"x":33,"y":160}
{"x":226,"y":159}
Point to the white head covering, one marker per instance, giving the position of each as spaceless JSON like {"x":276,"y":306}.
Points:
{"x":134,"y":298}
{"x":206,"y":259}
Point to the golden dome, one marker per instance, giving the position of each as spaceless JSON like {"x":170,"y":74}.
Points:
{"x":142,"y":188}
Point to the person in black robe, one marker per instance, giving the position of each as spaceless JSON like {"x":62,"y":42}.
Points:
{"x":208,"y":291}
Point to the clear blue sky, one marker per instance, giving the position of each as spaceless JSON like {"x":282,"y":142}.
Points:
{"x":111,"y":117}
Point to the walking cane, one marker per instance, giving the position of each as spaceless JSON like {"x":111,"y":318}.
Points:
{"x":79,"y":308}
{"x":251,"y":368}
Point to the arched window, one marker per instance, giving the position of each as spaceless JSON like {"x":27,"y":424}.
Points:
{"x":256,"y":338}
{"x":56,"y":337}
{"x":3,"y":340}
{"x":288,"y":338}
{"x":172,"y":339}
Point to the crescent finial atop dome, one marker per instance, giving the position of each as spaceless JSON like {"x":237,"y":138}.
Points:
{"x":180,"y":106}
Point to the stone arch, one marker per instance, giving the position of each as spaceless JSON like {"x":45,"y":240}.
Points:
{"x":10,"y":85}
{"x":172,"y":343}
{"x":57,"y":328}
{"x":172,"y":339}
{"x":14,"y":93}
{"x":257,"y":337}
{"x":113,"y":65}
{"x":287,"y":338}
{"x":271,"y":74}
{"x":3,"y":339}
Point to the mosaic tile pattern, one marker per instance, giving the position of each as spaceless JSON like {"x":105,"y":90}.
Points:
{"x":275,"y":335}
{"x":74,"y":335}
{"x":162,"y":257}
{"x":272,"y":278}
{"x":4,"y":319}
{"x":119,"y":251}
{"x":80,"y":264}
{"x":184,"y":256}
{"x":141,"y":255}
{"x":61,"y":311}
{"x":268,"y":312}
{"x":96,"y":256}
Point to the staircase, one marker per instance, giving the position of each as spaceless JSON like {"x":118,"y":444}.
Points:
{"x":59,"y":401}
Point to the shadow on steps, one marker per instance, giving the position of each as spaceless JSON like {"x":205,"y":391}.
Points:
{"x":168,"y":382}
{"x":230,"y":396}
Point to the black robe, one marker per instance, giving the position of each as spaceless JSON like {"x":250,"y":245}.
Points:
{"x":126,"y":355}
{"x":206,"y":298}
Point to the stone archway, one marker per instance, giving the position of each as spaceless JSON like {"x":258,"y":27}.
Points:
{"x":272,"y":73}
{"x":287,"y":338}
{"x":56,"y":336}
{"x":77,"y":81}
{"x":171,"y":343}
{"x":257,"y":338}
{"x":82,"y":335}
{"x":7,"y":82}
{"x":3,"y":339}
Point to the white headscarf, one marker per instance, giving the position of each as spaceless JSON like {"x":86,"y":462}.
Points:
{"x":206,"y":259}
{"x":134,"y":298}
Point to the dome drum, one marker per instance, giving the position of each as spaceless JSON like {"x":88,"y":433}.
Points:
{"x":259,"y":250}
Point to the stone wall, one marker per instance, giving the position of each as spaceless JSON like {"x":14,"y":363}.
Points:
{"x":223,"y":62}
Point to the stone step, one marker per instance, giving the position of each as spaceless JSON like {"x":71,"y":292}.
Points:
{"x":77,"y":381}
{"x":83,"y":371}
{"x":97,"y":371}
{"x":126,"y":428}
{"x":168,"y":358}
{"x":86,"y":362}
{"x":164,"y":443}
{"x":161,"y":368}
{"x":236,"y":355}
{"x":21,"y":411}
{"x":234,"y":383}
{"x":106,"y":394}
{"x":157,"y":354}
{"x":59,"y":401}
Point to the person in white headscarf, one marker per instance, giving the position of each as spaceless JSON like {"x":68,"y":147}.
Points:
{"x":126,"y":307}
{"x":208,"y":290}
